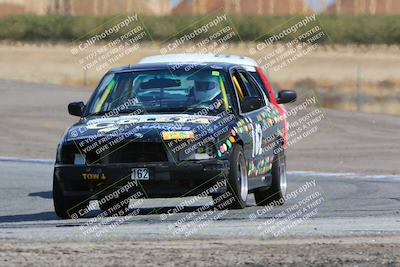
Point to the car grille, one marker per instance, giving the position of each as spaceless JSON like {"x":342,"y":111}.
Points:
{"x":129,"y":152}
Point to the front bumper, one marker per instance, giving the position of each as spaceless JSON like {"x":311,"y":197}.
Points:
{"x":166,"y":179}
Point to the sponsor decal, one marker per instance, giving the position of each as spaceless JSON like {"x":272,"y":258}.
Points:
{"x":110,"y":125}
{"x":177,"y":135}
{"x":94,"y":176}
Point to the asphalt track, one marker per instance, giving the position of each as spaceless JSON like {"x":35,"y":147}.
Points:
{"x":350,"y":204}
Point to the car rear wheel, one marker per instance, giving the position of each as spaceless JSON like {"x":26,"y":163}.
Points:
{"x":67,"y":207}
{"x":277,"y":191}
{"x":237,"y":184}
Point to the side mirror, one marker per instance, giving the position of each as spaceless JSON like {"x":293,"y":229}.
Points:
{"x":286,"y":96}
{"x":251,"y":103}
{"x":76,"y":108}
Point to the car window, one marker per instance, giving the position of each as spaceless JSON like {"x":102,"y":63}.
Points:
{"x":157,"y":91}
{"x":246,"y":86}
{"x":258,"y":79}
{"x":240,"y":87}
{"x":251,"y":87}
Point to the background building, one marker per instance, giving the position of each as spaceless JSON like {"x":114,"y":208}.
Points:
{"x":256,"y":7}
{"x":357,"y":7}
{"x":85,"y":7}
{"x":10,"y":7}
{"x":198,"y":7}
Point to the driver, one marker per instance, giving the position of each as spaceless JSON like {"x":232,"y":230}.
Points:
{"x":206,"y":87}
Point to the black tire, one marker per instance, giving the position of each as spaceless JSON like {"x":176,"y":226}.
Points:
{"x":67,"y":207}
{"x":237,"y":184}
{"x":275,"y":193}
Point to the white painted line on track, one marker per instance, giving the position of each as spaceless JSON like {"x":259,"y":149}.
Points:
{"x":25,"y":160}
{"x":343,"y":175}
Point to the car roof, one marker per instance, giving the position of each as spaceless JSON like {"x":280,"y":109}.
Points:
{"x":170,"y":65}
{"x":180,"y":58}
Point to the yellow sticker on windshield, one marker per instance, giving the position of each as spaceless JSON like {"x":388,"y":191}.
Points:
{"x":215,"y":73}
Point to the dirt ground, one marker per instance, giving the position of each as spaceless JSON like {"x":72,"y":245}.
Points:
{"x":49,"y":63}
{"x":341,"y":251}
{"x":334,"y":72}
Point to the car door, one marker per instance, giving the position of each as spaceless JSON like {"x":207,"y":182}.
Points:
{"x":261,"y":126}
{"x":270,"y":119}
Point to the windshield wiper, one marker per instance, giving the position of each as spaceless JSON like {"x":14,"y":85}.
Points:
{"x":141,"y":110}
{"x":167,"y":109}
{"x":114,"y":112}
{"x":137,"y":111}
{"x":99,"y":113}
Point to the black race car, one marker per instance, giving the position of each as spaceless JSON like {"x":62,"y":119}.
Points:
{"x":171,"y":130}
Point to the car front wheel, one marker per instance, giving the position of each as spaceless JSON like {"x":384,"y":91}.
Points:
{"x":276,"y":193}
{"x":237,"y":182}
{"x":67,"y":207}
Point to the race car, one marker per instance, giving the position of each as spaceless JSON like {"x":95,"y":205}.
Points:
{"x":167,"y":130}
{"x":249,"y":64}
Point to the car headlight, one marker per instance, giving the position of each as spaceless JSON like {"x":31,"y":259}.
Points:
{"x":201,"y":153}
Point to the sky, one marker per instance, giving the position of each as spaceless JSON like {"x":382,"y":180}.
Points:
{"x":318,"y":5}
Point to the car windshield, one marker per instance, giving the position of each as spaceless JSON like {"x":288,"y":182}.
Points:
{"x":161,"y":91}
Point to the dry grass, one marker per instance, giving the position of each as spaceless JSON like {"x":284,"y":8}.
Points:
{"x":331,"y":70}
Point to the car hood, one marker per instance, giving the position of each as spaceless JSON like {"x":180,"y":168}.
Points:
{"x":139,"y":127}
